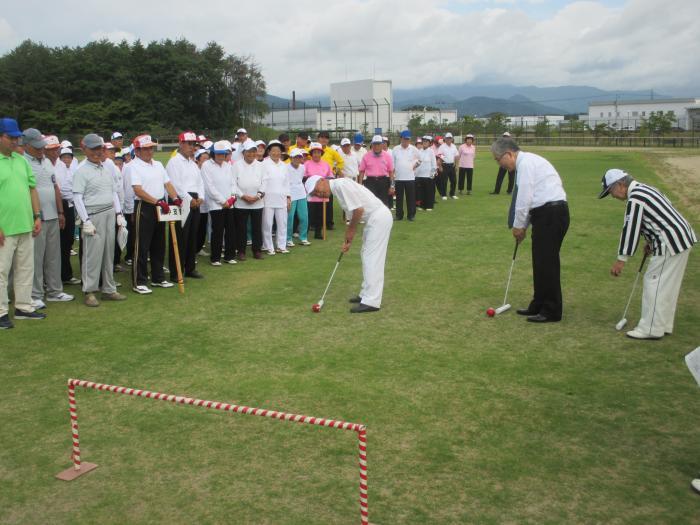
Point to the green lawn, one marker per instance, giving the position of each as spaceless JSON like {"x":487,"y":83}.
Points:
{"x":470,"y":419}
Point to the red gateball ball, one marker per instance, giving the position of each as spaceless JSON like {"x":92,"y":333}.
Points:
{"x":316,"y":308}
{"x":490,"y":312}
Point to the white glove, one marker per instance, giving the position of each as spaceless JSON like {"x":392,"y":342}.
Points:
{"x":89,"y":228}
{"x":121,"y":221}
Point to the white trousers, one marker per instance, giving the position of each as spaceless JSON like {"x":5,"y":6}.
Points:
{"x":375,"y":239}
{"x":17,"y":254}
{"x":47,"y":260}
{"x":98,"y":254}
{"x":280,"y":217}
{"x":662,"y":284}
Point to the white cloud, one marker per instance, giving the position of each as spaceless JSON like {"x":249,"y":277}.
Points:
{"x":637,"y":45}
{"x":8,"y":37}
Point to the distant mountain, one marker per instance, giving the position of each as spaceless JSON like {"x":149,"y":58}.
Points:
{"x":276,"y":102}
{"x":566,"y":99}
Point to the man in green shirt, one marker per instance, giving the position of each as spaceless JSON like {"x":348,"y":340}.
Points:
{"x":20,"y":220}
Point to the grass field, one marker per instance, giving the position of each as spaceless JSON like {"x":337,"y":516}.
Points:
{"x":470,"y":419}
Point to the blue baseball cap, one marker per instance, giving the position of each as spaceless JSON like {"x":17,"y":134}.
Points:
{"x":405,"y":134}
{"x":9,"y":126}
{"x":359,"y":139}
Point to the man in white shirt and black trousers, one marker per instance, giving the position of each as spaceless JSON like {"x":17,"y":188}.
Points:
{"x":150,"y":182}
{"x":187,"y":181}
{"x":538,"y":199}
{"x":406,"y":160}
{"x":670,"y":238}
{"x":446,"y":163}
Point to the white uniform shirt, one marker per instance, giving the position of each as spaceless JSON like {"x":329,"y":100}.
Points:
{"x":359,"y":153}
{"x":118,"y":179}
{"x":296,"y":184}
{"x":276,"y":183}
{"x":185,"y":176}
{"x":428,"y":164}
{"x":64,"y":179}
{"x":128,"y":188}
{"x":537,"y":183}
{"x":219,"y":183}
{"x":249,"y":181}
{"x":405,"y":161}
{"x":352,"y":196}
{"x":152,"y":177}
{"x":448,"y":153}
{"x":351,"y":164}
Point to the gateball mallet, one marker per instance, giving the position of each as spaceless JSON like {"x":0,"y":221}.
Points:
{"x":317,"y":307}
{"x":505,"y":306}
{"x":622,"y":322}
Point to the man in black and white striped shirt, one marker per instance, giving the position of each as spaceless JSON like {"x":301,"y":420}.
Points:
{"x":669,"y":239}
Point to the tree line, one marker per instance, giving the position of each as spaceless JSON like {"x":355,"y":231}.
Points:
{"x":102,"y":86}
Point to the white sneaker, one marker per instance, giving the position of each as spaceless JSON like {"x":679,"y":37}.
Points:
{"x":271,"y":252}
{"x":73,"y":253}
{"x":163,"y":284}
{"x":455,"y":197}
{"x":295,"y":235}
{"x":284,"y":251}
{"x":60,"y":298}
{"x":231,"y":261}
{"x":444,"y":198}
{"x":638,"y":334}
{"x":249,"y":243}
{"x":38,"y":304}
{"x":142,"y":289}
{"x":73,"y":280}
{"x":695,"y":484}
{"x":290,"y":244}
{"x":216,"y":263}
{"x":203,"y":253}
{"x":429,"y":209}
{"x":305,"y":243}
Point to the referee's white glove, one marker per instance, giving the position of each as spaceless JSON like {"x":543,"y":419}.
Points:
{"x":121,"y":221}
{"x":89,"y":228}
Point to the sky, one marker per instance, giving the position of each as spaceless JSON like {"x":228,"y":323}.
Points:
{"x":305,"y":45}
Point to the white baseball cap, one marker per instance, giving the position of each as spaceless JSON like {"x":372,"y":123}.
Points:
{"x":315,"y":145}
{"x":222,"y":147}
{"x":116,"y":135}
{"x":249,"y":144}
{"x":66,"y":151}
{"x":448,"y":135}
{"x":296,"y":152}
{"x":505,"y":134}
{"x":310,"y":183}
{"x":377,"y":139}
{"x":610,"y":178}
{"x":241,"y":130}
{"x":345,"y":142}
{"x":259,"y":143}
{"x":66,"y":144}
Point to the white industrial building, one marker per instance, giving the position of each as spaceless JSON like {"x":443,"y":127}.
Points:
{"x":629,"y":114}
{"x":530,"y":121}
{"x":364,"y":105}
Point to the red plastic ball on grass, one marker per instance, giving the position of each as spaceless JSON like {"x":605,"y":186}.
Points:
{"x":490,"y":312}
{"x":316,"y":308}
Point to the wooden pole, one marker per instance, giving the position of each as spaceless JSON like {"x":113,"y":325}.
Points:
{"x":176,"y":250}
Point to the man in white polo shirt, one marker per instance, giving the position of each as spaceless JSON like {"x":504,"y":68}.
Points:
{"x":150,"y":182}
{"x":363,"y":205}
{"x":447,"y":152}
{"x":187,"y":181}
{"x":406,"y":160}
{"x":241,"y":137}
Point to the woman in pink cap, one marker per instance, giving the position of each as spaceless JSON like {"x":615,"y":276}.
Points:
{"x":317,"y":166}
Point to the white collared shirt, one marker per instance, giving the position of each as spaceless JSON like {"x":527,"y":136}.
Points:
{"x":185,"y":176}
{"x":405,"y":161}
{"x":128,"y":188}
{"x":448,"y":153}
{"x":219,"y":183}
{"x":151,"y":176}
{"x":64,"y":179}
{"x":537,"y":183}
{"x":296,"y":184}
{"x":276,"y":183}
{"x":428,"y":165}
{"x":249,"y":181}
{"x":351,"y":164}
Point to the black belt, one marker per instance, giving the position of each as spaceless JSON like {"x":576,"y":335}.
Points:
{"x":448,"y":163}
{"x":550,"y":204}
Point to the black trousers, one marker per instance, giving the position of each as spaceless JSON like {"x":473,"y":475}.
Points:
{"x":223,"y":231}
{"x":407,"y":187}
{"x":131,"y":228}
{"x":448,"y":173}
{"x":469,"y":174}
{"x":379,"y":186}
{"x":117,"y":249}
{"x":242,"y":215}
{"x":425,"y":192}
{"x":150,"y":240}
{"x":202,"y":231}
{"x":499,"y":180}
{"x":549,"y":226}
{"x":186,"y":244}
{"x":316,"y":219}
{"x":67,"y":237}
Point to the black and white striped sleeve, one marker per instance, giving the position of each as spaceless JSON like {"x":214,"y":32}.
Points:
{"x":629,"y":239}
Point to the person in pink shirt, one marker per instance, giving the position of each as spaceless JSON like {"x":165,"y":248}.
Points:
{"x":377,"y":171}
{"x":466,"y":152}
{"x":317,"y":166}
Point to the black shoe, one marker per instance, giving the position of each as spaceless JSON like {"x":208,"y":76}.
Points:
{"x":539,"y":318}
{"x":194,"y":275}
{"x":21,"y":314}
{"x":357,"y":299}
{"x":493,"y":193}
{"x":526,"y":311}
{"x":318,"y":236}
{"x":5,"y":323}
{"x":398,"y":218}
{"x":411,"y":219}
{"x":330,"y":228}
{"x":362,"y":308}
